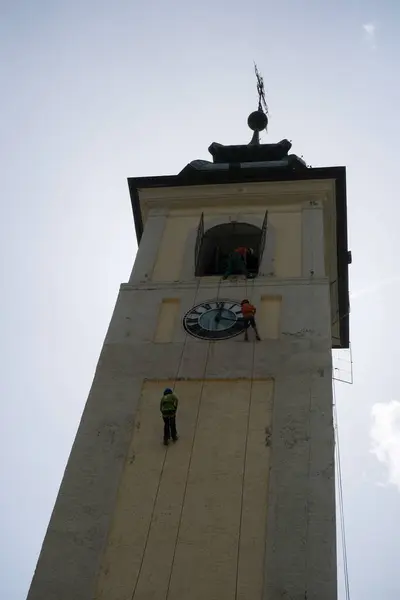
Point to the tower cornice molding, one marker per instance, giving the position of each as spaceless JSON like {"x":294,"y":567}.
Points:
{"x":155,"y":201}
{"x":225,"y":287}
{"x":264,"y":189}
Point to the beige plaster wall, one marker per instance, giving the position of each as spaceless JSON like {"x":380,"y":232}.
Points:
{"x":134,"y":520}
{"x":190,"y":519}
{"x":167,"y":320}
{"x":178,"y":241}
{"x":171,"y":251}
{"x":288,"y":247}
{"x":269,"y":317}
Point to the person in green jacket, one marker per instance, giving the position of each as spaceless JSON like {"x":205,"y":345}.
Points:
{"x":168,"y":408}
{"x":237,"y":262}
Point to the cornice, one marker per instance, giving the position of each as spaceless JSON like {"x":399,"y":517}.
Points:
{"x":224,"y":287}
{"x":252,"y":189}
{"x":283,"y":193}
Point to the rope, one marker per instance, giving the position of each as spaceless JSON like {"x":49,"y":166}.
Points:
{"x":191,"y":455}
{"x":244,"y":471}
{"x":163,"y":464}
{"x":247,"y":436}
{"x":340,"y":496}
{"x":190,"y":459}
{"x":186,"y":337}
{"x":149,"y":527}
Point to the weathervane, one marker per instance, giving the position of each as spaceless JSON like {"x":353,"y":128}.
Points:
{"x":262,"y":103}
{"x":258,"y":120}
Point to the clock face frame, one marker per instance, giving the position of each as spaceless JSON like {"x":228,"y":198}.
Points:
{"x":214,"y":320}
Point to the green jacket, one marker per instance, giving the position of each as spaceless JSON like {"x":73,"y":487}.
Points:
{"x":169,"y":404}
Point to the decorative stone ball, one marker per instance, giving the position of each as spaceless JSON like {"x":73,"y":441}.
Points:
{"x":257,"y":121}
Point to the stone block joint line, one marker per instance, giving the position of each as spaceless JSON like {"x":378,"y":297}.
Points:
{"x":244,"y":473}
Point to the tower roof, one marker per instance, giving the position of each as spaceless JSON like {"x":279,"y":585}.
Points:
{"x":255,"y":163}
{"x":271,"y":155}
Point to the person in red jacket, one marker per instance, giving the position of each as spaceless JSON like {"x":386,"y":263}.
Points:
{"x":248,"y":312}
{"x":237,"y":262}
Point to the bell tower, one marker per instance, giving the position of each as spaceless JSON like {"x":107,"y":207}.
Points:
{"x":242,"y":506}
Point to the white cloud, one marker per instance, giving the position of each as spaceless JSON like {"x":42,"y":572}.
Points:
{"x":385,"y":437}
{"x":370,"y":29}
{"x":370,"y":33}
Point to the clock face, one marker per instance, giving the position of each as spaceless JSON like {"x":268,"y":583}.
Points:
{"x":214,"y":320}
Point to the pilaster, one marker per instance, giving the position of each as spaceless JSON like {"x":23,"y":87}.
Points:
{"x":148,"y":248}
{"x":313,"y":250}
{"x":266,"y":267}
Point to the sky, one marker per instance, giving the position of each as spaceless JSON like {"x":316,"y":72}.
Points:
{"x":94,"y":92}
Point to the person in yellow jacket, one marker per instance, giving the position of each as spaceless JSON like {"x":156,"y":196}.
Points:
{"x":168,"y":408}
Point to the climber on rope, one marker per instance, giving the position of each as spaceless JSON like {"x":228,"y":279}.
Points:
{"x":237,"y":262}
{"x":248,"y":312}
{"x":168,"y":408}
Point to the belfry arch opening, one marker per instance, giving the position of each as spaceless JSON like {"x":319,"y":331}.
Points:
{"x":214,"y":246}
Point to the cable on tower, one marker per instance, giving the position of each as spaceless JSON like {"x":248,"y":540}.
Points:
{"x":340,"y":494}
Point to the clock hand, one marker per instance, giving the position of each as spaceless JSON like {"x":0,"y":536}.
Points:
{"x":218,"y":316}
{"x":227,"y":318}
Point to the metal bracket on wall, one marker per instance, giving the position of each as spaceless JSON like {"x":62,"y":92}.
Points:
{"x":342,"y":365}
